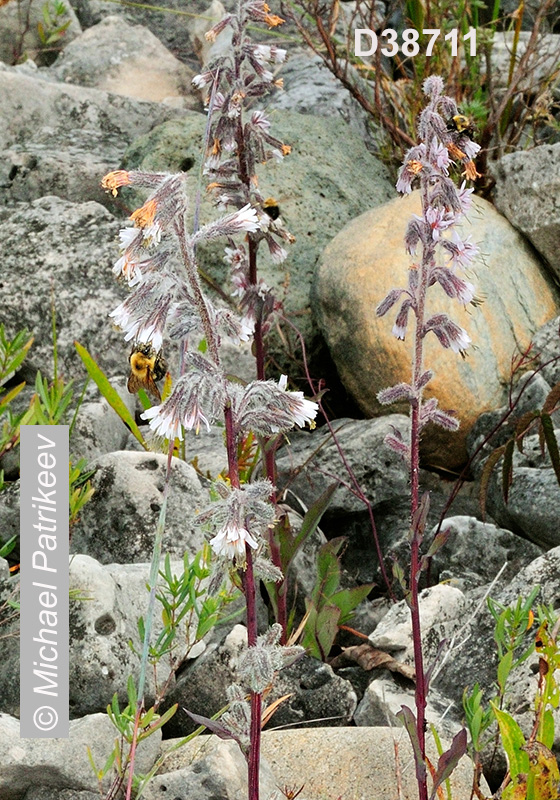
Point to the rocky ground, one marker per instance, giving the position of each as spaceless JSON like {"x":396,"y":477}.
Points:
{"x":120,"y":95}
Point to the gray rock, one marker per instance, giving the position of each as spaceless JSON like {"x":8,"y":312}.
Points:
{"x":457,"y":560}
{"x":442,"y":609}
{"x":473,"y":656}
{"x":4,"y":570}
{"x":200,"y":687}
{"x":61,"y":139}
{"x":74,"y":246}
{"x":46,"y":793}
{"x":99,"y":429}
{"x":311,"y":88}
{"x":9,"y":512}
{"x":384,"y":698}
{"x":318,"y":696}
{"x":103,"y":619}
{"x":125,"y":60}
{"x":364,"y":759}
{"x":548,"y":47}
{"x":533,"y":502}
{"x":527,"y":188}
{"x":172,"y":29}
{"x":529,"y":394}
{"x":62,"y":763}
{"x":205,"y":769}
{"x":547,"y":342}
{"x":119,"y":522}
{"x":310,"y":463}
{"x":19,"y":34}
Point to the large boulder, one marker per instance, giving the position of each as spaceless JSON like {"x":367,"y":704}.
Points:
{"x":527,"y":190}
{"x":61,"y":139}
{"x":368,"y":258}
{"x":127,"y":60}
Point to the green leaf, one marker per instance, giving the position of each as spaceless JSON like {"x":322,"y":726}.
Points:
{"x":326,"y":629}
{"x":547,"y":732}
{"x":512,"y":740}
{"x":348,"y":599}
{"x":7,"y":398}
{"x":309,"y":525}
{"x":328,"y":571}
{"x":109,"y":393}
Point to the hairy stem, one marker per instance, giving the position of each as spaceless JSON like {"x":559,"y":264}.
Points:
{"x":249,"y":589}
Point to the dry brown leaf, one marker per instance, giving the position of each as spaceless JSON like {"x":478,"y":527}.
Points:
{"x":271,"y":709}
{"x":369,"y":657}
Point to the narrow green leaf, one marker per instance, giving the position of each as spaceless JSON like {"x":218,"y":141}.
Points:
{"x":547,"y":734}
{"x":109,"y":393}
{"x":312,"y":519}
{"x":7,"y":398}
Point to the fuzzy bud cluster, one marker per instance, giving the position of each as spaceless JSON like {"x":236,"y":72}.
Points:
{"x":240,"y":139}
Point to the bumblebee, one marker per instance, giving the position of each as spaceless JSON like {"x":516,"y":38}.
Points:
{"x":460,"y":123}
{"x":146,"y":367}
{"x":270,"y":206}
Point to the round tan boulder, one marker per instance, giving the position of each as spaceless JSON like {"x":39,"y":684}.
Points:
{"x":367,"y":259}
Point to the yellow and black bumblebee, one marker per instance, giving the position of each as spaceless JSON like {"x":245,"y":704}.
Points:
{"x":271,"y":208}
{"x":462,"y":124}
{"x":147,"y":366}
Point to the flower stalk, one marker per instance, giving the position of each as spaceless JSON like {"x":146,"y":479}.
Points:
{"x":442,"y":254}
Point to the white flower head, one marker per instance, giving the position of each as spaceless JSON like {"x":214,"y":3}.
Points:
{"x":230,"y":541}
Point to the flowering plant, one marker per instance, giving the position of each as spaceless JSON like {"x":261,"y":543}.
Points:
{"x":440,"y":253}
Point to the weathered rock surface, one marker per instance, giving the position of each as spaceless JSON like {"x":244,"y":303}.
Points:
{"x":209,"y":769}
{"x":103,"y":619}
{"x":53,"y":242}
{"x":119,"y":522}
{"x":61,"y":139}
{"x":56,"y":764}
{"x":126,"y":60}
{"x":367,"y":259}
{"x":470,"y":662}
{"x":361,"y":763}
{"x":308,"y":465}
{"x":534,"y":496}
{"x":457,"y":559}
{"x":527,"y":191}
